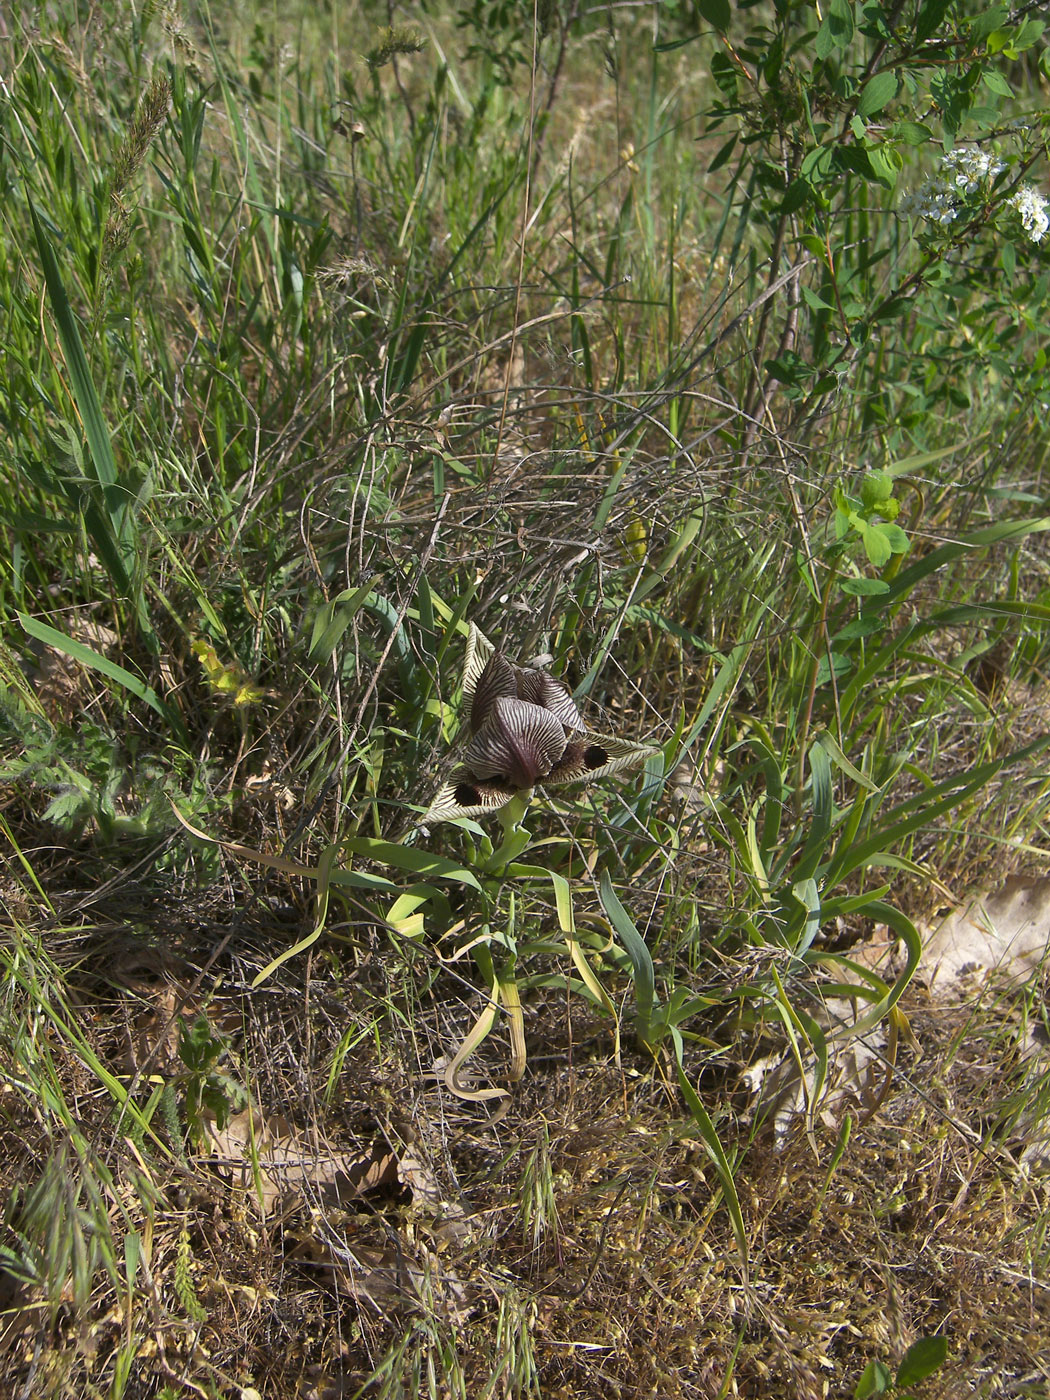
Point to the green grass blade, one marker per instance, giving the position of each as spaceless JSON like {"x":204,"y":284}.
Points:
{"x":636,"y":949}
{"x":909,"y":936}
{"x":333,"y":619}
{"x":713,"y":1146}
{"x":114,"y":496}
{"x":567,"y":924}
{"x":324,"y":883}
{"x":77,"y":651}
{"x":1008,"y":531}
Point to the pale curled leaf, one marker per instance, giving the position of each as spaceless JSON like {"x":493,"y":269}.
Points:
{"x":511,"y":997}
{"x":482,"y":1026}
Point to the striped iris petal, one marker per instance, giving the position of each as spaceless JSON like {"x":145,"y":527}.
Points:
{"x":517,"y":744}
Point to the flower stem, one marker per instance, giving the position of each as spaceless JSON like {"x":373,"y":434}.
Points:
{"x":515,"y":837}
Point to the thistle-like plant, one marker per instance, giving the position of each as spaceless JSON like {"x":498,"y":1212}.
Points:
{"x":525,"y":729}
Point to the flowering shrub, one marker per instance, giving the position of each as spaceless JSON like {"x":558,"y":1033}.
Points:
{"x":828,"y":111}
{"x":968,"y":184}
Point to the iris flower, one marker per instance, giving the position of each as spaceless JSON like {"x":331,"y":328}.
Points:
{"x":524,"y":729}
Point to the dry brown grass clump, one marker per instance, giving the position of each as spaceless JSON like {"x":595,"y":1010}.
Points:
{"x":569,"y":1242}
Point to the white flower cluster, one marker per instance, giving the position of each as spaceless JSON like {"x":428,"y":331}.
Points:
{"x":936,"y":201}
{"x":1032,"y":208}
{"x":965,"y":173}
{"x":969,"y":168}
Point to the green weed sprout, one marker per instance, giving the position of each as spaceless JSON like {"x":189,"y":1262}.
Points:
{"x":920,"y":1360}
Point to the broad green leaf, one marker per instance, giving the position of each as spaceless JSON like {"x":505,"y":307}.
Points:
{"x":875,"y":1379}
{"x":995,"y":82}
{"x":921,"y":1360}
{"x":895,"y":537}
{"x":989,"y":21}
{"x":797,"y":194}
{"x":836,"y":30}
{"x":841,"y":665}
{"x":814,"y":302}
{"x":864,"y":587}
{"x":885,"y":163}
{"x":891,"y":308}
{"x":929,"y":18}
{"x":859,"y":627}
{"x":911,"y":133}
{"x":716,"y":12}
{"x":876,"y":545}
{"x":876,"y":94}
{"x":1030,"y":32}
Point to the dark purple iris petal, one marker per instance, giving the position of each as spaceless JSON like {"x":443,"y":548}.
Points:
{"x":517,"y":745}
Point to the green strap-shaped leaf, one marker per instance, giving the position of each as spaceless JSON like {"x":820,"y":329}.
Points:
{"x":909,"y":936}
{"x":636,"y":949}
{"x":1007,"y":531}
{"x":408,"y":858}
{"x":567,"y":924}
{"x":481,"y":1028}
{"x":816,"y":847}
{"x":78,"y":651}
{"x":324,"y":869}
{"x":333,"y":619}
{"x":712,"y":1145}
